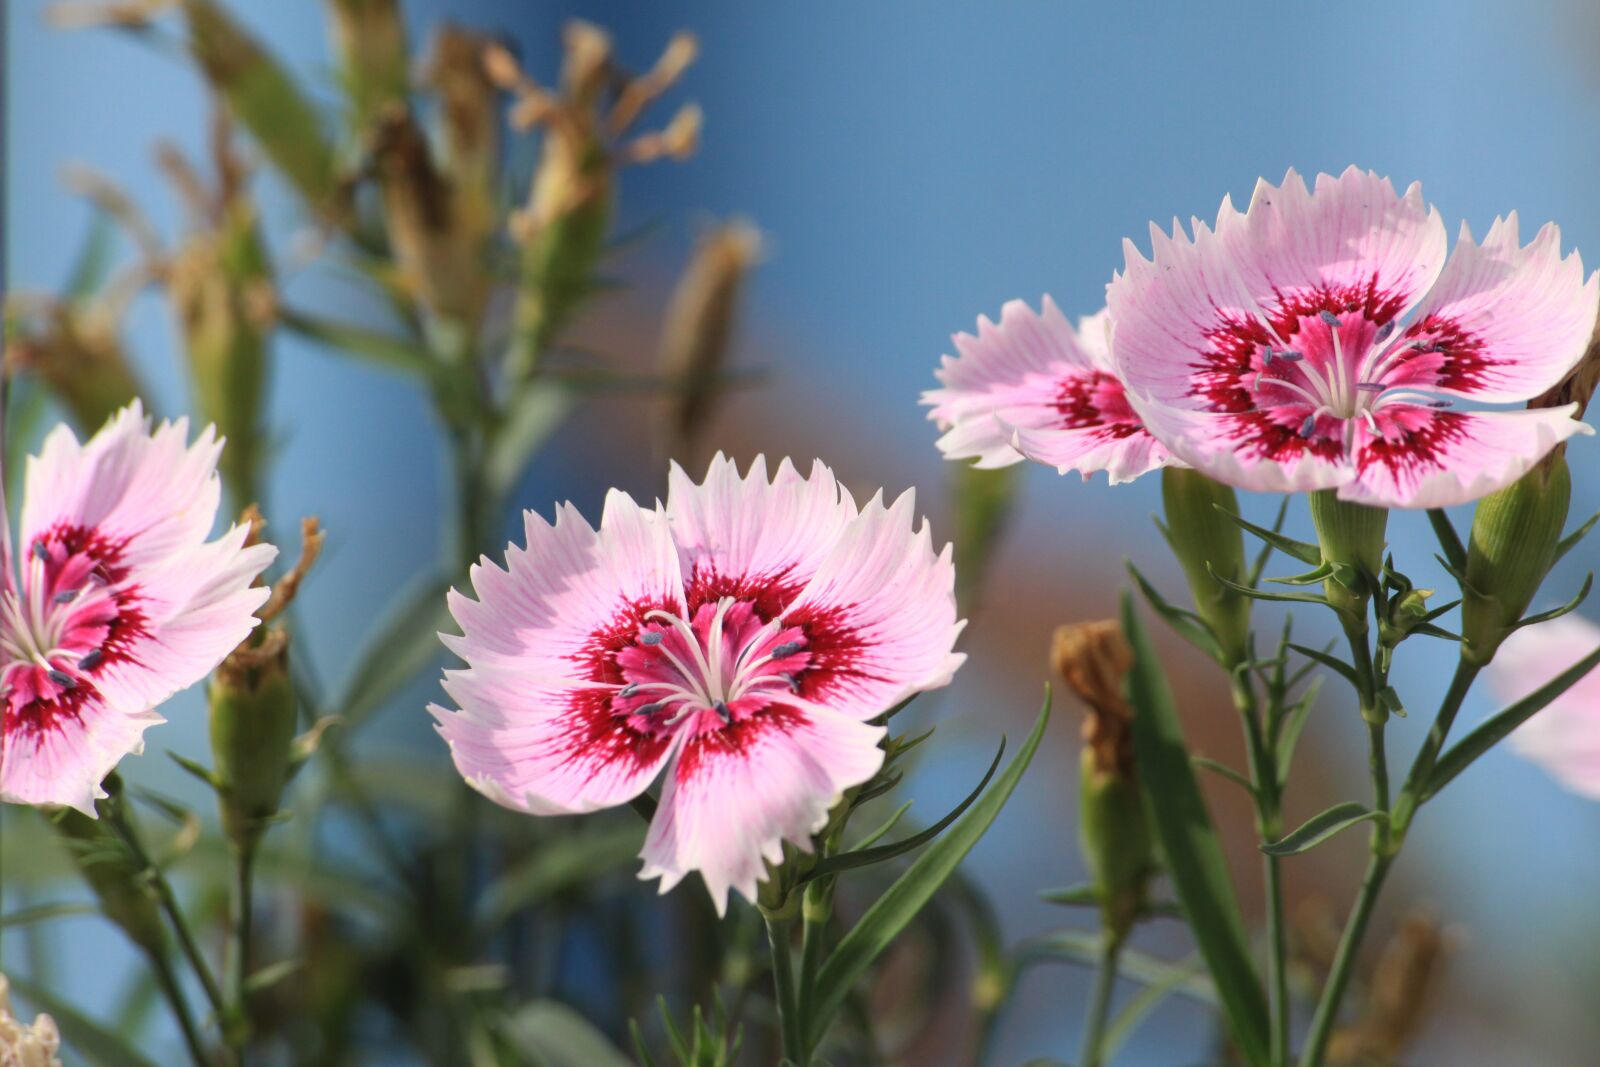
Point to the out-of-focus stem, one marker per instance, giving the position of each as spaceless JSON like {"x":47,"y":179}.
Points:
{"x":1344,"y":960}
{"x":1268,"y":802}
{"x":172,"y":990}
{"x":243,"y":922}
{"x":169,"y":907}
{"x":1105,"y":983}
{"x":783,"y":985}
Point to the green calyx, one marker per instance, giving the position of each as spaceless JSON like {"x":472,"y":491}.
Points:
{"x":118,"y":878}
{"x":1514,"y":540}
{"x":1114,"y":833}
{"x":1352,"y":541}
{"x":1209,"y":545}
{"x":253,"y":718}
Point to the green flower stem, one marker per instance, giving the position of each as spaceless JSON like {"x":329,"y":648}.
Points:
{"x":1344,"y":960}
{"x":243,"y":921}
{"x":778,"y":930}
{"x":172,"y":990}
{"x":1269,"y":827}
{"x":1428,"y":755}
{"x":1105,"y":981}
{"x":815,"y":912}
{"x":169,"y":906}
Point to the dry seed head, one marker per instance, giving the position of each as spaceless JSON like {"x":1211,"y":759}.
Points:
{"x":641,"y":92}
{"x":678,"y":141}
{"x":587,"y":68}
{"x":700,"y":320}
{"x":1094,"y":659}
{"x":123,"y":14}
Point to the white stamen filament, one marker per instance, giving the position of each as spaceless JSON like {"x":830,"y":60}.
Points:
{"x":709,"y":681}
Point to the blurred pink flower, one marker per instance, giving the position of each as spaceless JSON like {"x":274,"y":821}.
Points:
{"x":1317,"y":340}
{"x":743,"y":637}
{"x":1034,"y":388}
{"x":1564,"y":738}
{"x":122,"y":601}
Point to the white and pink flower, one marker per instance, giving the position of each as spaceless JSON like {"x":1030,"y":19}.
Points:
{"x":1564,"y":738}
{"x":1034,"y":388}
{"x":743,"y":638}
{"x":122,"y":601}
{"x":1321,"y":339}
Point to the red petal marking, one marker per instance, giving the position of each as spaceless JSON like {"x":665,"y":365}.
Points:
{"x":737,"y":739}
{"x":769,"y":593}
{"x":1413,"y":438}
{"x":597,"y":659}
{"x":593,"y":738}
{"x":835,"y":647}
{"x":68,"y":547}
{"x":1096,"y":400}
{"x":1447,"y":357}
{"x":33,"y":716}
{"x":1225,"y":375}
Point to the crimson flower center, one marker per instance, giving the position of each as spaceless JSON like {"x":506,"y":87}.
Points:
{"x":1342,"y":367}
{"x":720,"y":666}
{"x":54,"y":628}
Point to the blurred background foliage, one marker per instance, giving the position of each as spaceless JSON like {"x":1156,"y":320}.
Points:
{"x":429,"y":271}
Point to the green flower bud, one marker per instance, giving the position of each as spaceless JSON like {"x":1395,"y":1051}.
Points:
{"x":76,"y":349}
{"x":253,"y":718}
{"x":982,"y":502}
{"x":369,"y":37}
{"x":265,"y":99}
{"x":1351,"y":536}
{"x":113,"y":872}
{"x":1208,"y":543}
{"x":699,"y":327}
{"x":222,"y":293}
{"x":1113,"y":830}
{"x":1512,"y":547}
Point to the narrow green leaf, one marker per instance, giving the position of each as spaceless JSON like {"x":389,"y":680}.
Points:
{"x":558,"y":864}
{"x":1312,"y":577}
{"x":1320,"y":827}
{"x":1294,"y":721}
{"x":1304,"y":551}
{"x":1194,"y":855}
{"x":93,"y":264}
{"x":94,"y":1041}
{"x":862,"y":857}
{"x":540,"y":409}
{"x":1556,"y":613}
{"x":1500,"y":726}
{"x":1260,"y":565}
{"x":1569,"y":542}
{"x":1449,"y":541}
{"x":1330,"y":661}
{"x":1261,"y":594}
{"x":883,"y":828}
{"x":271,"y":975}
{"x":1222,"y":770}
{"x":1082,"y":946}
{"x":44,"y":913}
{"x":1148,"y":998}
{"x":380,"y":349}
{"x":198,"y":770}
{"x":900,"y":903}
{"x":1073,"y":896}
{"x":551,"y":1034}
{"x":1188,"y":625}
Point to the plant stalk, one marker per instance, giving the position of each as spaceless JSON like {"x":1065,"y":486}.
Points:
{"x":783,"y":985}
{"x":1105,"y":982}
{"x":1344,"y":961}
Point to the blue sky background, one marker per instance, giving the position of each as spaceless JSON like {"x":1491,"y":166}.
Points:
{"x":915,"y":165}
